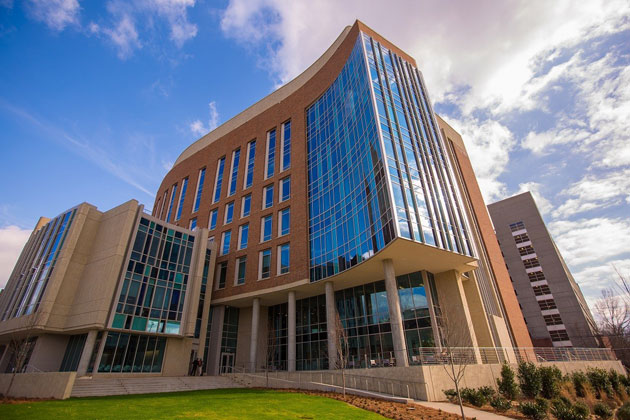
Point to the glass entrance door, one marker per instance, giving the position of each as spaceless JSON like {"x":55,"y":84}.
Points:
{"x":227,"y":363}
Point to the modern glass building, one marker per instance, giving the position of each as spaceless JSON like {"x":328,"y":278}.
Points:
{"x":339,"y":201}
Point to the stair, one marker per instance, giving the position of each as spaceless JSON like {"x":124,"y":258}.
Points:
{"x":99,"y":386}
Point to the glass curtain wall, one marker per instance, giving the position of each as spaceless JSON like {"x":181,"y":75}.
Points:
{"x":277,"y":339}
{"x":126,"y":353}
{"x":230,"y":330}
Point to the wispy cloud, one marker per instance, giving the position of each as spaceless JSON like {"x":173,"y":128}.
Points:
{"x":56,"y":14}
{"x":88,"y":151}
{"x":199,"y":129}
{"x":12,"y":240}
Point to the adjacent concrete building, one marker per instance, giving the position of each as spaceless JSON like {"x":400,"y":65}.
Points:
{"x":338,"y":201}
{"x":552,"y":302}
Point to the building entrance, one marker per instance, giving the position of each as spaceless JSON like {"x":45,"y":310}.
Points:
{"x":227,"y":363}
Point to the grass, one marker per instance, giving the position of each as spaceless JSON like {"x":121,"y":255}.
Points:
{"x":211,"y":404}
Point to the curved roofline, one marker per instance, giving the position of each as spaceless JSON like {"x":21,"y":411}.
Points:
{"x":267,"y":102}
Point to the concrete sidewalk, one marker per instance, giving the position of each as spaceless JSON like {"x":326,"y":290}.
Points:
{"x":468,"y":411}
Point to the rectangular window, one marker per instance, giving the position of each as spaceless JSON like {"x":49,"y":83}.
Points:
{"x":531,"y":262}
{"x":547,"y":304}
{"x":241,"y":265}
{"x":542,"y":290}
{"x":286,"y":145}
{"x":552,"y":319}
{"x":171,"y":202}
{"x":251,"y":155}
{"x":559,"y":335}
{"x":246,"y":205}
{"x":212,"y":220}
{"x":236,"y":157}
{"x":221,"y":274}
{"x":182,"y":196}
{"x":265,"y":264}
{"x":193,"y":224}
{"x":284,"y":222}
{"x":536,"y":276}
{"x":225,"y":242}
{"x":517,"y":226}
{"x":200,"y":179}
{"x":266,"y":227}
{"x":267,"y":197}
{"x":285,"y":189}
{"x":270,"y":163}
{"x":163,"y":206}
{"x":526,"y":250}
{"x":229,"y":213}
{"x":218,"y":180}
{"x":519,"y":239}
{"x":243,"y":236}
{"x":283,"y":259}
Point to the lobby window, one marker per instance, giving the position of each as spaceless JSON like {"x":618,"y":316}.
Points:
{"x":284,"y":222}
{"x":221,"y":274}
{"x":267,"y":197}
{"x":236,"y":157}
{"x":266,"y":228}
{"x":241,"y":266}
{"x":212,"y":220}
{"x":225,"y":242}
{"x":171,"y":203}
{"x":286,"y":145}
{"x":229,"y":213}
{"x":200,"y":179}
{"x":264,"y":269}
{"x":246,"y":205}
{"x":193,"y":224}
{"x":243,"y":236}
{"x":251,"y":155}
{"x":218,"y":180}
{"x":182,"y":196}
{"x":285,"y":189}
{"x":283,"y":258}
{"x":270,"y":159}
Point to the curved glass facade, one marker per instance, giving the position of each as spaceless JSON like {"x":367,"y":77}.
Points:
{"x":350,"y":215}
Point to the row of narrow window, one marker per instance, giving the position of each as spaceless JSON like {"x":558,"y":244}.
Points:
{"x":264,"y":266}
{"x":266,"y":231}
{"x":173,"y":209}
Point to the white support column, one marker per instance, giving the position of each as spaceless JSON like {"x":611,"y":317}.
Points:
{"x":395,"y":317}
{"x":253,"y":344}
{"x":331,"y":313}
{"x":291,"y":333}
{"x":88,"y":348}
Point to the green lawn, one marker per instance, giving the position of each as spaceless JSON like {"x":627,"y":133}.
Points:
{"x":211,"y":404}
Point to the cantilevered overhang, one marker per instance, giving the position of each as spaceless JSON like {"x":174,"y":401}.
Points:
{"x":408,"y":257}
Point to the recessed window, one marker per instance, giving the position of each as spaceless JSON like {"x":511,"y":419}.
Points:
{"x":200,"y":179}
{"x":286,"y":145}
{"x":221,"y":274}
{"x":266,"y":228}
{"x":267,"y":196}
{"x":285,"y":188}
{"x":270,"y":160}
{"x":531,"y":262}
{"x":182,"y":196}
{"x":246,"y":205}
{"x":193,"y":224}
{"x":251,"y":155}
{"x":241,"y":266}
{"x":264,"y":270}
{"x":171,"y":202}
{"x":229,"y":213}
{"x":225,"y":242}
{"x":547,"y":304}
{"x":212,"y":220}
{"x":284,"y":222}
{"x":236,"y":156}
{"x":218,"y":181}
{"x":243,"y":236}
{"x":283,"y":258}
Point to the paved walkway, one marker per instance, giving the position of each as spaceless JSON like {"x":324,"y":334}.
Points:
{"x":468,"y":411}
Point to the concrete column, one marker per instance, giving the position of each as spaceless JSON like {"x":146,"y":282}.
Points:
{"x":88,"y":348}
{"x":253,"y":343}
{"x":395,"y":317}
{"x":291,"y":333}
{"x":331,"y":327}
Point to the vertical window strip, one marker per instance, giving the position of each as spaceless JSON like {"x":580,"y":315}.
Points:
{"x":236,"y":156}
{"x":163,"y":205}
{"x":286,"y":145}
{"x":270,"y":164}
{"x":182,"y":197}
{"x":200,"y":180}
{"x":171,"y":203}
{"x":212,"y":220}
{"x":218,"y":180}
{"x":251,"y":156}
{"x":284,"y":258}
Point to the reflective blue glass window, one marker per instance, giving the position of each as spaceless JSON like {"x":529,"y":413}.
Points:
{"x":267,"y":226}
{"x":243,"y":235}
{"x":229,"y":212}
{"x":192,"y":224}
{"x":285,"y":188}
{"x":284,"y":258}
{"x":285,"y":221}
{"x":265,"y":264}
{"x":182,"y":196}
{"x":202,"y":176}
{"x":286,"y":145}
{"x":271,"y":154}
{"x":171,"y":203}
{"x":225,"y":242}
{"x":246,"y":206}
{"x":236,"y":156}
{"x":212,"y":220}
{"x":268,"y":196}
{"x":219,"y":180}
{"x":241,"y":265}
{"x":251,"y":155}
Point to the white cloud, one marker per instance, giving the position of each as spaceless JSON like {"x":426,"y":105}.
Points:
{"x":123,"y":35}
{"x":594,"y":279}
{"x":199,"y":129}
{"x":175,"y":12}
{"x":56,"y":14}
{"x":544,"y":206}
{"x":12,"y":240}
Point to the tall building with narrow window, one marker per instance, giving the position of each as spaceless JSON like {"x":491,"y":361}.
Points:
{"x":552,"y":303}
{"x":340,"y":195}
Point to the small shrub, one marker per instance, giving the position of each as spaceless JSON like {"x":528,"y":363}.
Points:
{"x":508,"y":387}
{"x":562,"y":409}
{"x":473,"y":396}
{"x":623,"y":412}
{"x":615,"y":381}
{"x":451,"y":395}
{"x":535,"y":410}
{"x":580,"y":382}
{"x":602,"y":411}
{"x":500,"y":404}
{"x":529,"y":379}
{"x":600,"y":381}
{"x":487,"y":391}
{"x":550,"y":378}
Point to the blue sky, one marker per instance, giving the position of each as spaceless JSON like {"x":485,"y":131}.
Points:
{"x":116,"y":90}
